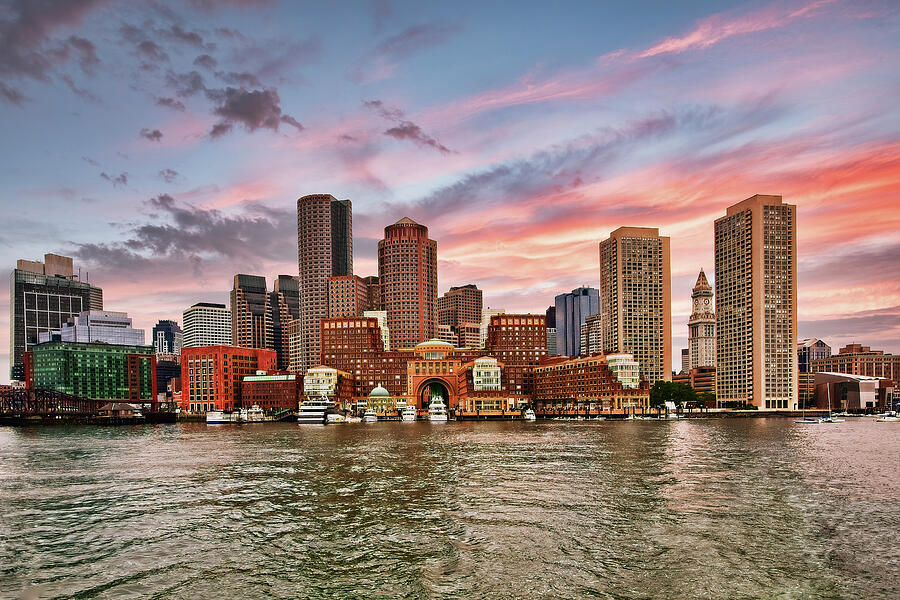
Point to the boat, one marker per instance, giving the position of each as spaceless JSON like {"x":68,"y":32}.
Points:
{"x":370,"y":416}
{"x":437,"y":410}
{"x":335,"y":418}
{"x":409,"y":413}
{"x":254,"y":414}
{"x":529,"y":415}
{"x":887,"y":417}
{"x":314,"y":411}
{"x":824,"y":419}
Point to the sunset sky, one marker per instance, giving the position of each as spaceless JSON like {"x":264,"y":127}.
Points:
{"x":163,"y":145}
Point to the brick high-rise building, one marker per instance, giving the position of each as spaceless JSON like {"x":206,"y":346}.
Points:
{"x":251,"y":314}
{"x":348,"y":296}
{"x":407,"y":272}
{"x":460,"y":309}
{"x":701,"y":326}
{"x":354,"y":345}
{"x":42,"y":297}
{"x":284,"y":302}
{"x":324,"y":249}
{"x":373,"y":290}
{"x":519,"y":341}
{"x":756,"y":303}
{"x":636,"y":300}
{"x":211,"y":376}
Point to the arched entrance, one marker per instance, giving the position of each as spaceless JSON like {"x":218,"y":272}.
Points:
{"x":429,"y":388}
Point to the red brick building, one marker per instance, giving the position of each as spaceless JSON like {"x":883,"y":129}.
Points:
{"x":353,"y":345}
{"x":279,"y":391}
{"x":520,"y":342}
{"x":348,"y":296}
{"x":570,"y":386}
{"x":407,"y":272}
{"x":212,"y":376}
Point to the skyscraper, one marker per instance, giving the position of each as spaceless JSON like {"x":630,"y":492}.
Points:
{"x":251,"y":315}
{"x":460,"y":309}
{"x":324,"y":249}
{"x":284,"y":302}
{"x":206,"y":324}
{"x":592,"y":335}
{"x":756,"y":303}
{"x":167,"y":337}
{"x":571,"y":311}
{"x":635,"y":298}
{"x":702,"y":326}
{"x":551,"y":330}
{"x":348,"y":296}
{"x":407,"y":271}
{"x":42,"y":297}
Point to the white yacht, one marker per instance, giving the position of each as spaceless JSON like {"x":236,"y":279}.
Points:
{"x":437,"y":410}
{"x":218,"y":417}
{"x":408,"y":413}
{"x":314,"y":411}
{"x":370,"y":416}
{"x":529,"y":415}
{"x":254,"y":414}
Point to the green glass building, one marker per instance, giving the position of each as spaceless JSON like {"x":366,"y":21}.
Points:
{"x":95,"y":370}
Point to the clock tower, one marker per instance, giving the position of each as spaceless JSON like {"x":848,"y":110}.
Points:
{"x":702,"y":325}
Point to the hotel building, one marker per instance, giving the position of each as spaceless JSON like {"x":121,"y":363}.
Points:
{"x":324,"y":249}
{"x":587,"y":384}
{"x":42,"y":297}
{"x":211,"y":376}
{"x":407,"y":272}
{"x":756,"y":303}
{"x":206,"y":324}
{"x":636,"y":299}
{"x":701,"y":326}
{"x":519,"y":341}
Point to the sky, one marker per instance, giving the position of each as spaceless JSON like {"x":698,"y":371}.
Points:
{"x":163,"y":145}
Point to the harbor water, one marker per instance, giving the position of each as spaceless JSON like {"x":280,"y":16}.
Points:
{"x":706,"y":508}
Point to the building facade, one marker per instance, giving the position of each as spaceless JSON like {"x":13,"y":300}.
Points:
{"x":95,"y":370}
{"x":206,"y":324}
{"x":325,"y":249}
{"x":274,"y":392}
{"x":211,"y":376}
{"x":636,"y":298}
{"x":551,"y":330}
{"x":702,"y":379}
{"x":570,"y":386}
{"x":407,"y":273}
{"x":855,"y":359}
{"x":572,"y":310}
{"x":251,"y":313}
{"x":354,"y":345}
{"x":348,"y":296}
{"x":592,"y":335}
{"x":42,"y":297}
{"x":93,"y":326}
{"x":519,"y":341}
{"x":167,"y":337}
{"x":486,"y":315}
{"x":756,"y":304}
{"x":460,"y":309}
{"x":809,"y":350}
{"x":284,"y":302}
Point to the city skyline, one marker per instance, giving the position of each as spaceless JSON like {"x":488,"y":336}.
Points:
{"x":520,"y":168}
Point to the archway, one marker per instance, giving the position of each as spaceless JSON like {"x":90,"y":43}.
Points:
{"x":429,"y":388}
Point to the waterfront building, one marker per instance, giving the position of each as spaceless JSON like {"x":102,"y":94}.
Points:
{"x":701,"y":326}
{"x":167,"y":337}
{"x":519,"y":341}
{"x":324,"y":249}
{"x":702,"y":379}
{"x":168,"y":367}
{"x":460,"y":309}
{"x":381,"y":315}
{"x":94,"y":370}
{"x":564,"y":385}
{"x":284,"y":302}
{"x":407,"y":272}
{"x":271,"y":392}
{"x":42,"y":297}
{"x":756,"y":304}
{"x":380,"y":400}
{"x":251,"y":313}
{"x":806,"y":390}
{"x":348,"y":296}
{"x":433,"y":370}
{"x":486,"y":315}
{"x":845,"y":391}
{"x":626,"y":369}
{"x":591,"y":336}
{"x":855,"y":359}
{"x":809,"y":350}
{"x":354,"y":345}
{"x":211,"y":376}
{"x":486,"y":374}
{"x":551,"y":330}
{"x":103,"y":326}
{"x":571,"y":311}
{"x":335,"y":384}
{"x":636,"y":300}
{"x":206,"y":324}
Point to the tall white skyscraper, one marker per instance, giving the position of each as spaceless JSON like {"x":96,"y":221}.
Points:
{"x":206,"y":324}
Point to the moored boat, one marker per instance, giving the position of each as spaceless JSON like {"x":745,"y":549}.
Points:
{"x":529,"y":415}
{"x":409,"y":413}
{"x":314,"y":411}
{"x":437,"y":410}
{"x":370,"y":416}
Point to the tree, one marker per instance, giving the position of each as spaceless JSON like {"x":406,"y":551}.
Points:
{"x":660,"y":393}
{"x":706,"y":400}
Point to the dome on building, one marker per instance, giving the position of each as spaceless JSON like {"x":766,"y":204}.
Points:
{"x":434,"y":343}
{"x":379,"y":391}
